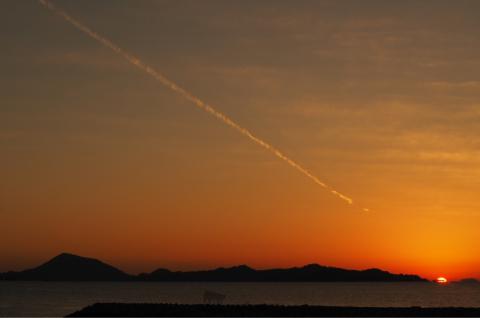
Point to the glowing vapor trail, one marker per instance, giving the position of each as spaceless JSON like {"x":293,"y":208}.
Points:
{"x":195,"y":100}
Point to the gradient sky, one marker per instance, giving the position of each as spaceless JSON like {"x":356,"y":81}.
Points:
{"x":380,"y":99}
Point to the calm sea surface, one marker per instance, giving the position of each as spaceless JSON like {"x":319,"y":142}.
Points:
{"x":58,"y":299}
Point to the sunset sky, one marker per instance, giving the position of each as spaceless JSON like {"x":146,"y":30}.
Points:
{"x":380,"y":99}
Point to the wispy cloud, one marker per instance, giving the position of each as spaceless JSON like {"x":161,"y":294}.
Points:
{"x":92,"y":58}
{"x":455,"y":85}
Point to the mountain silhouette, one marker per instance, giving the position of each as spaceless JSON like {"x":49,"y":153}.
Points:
{"x":308,"y":273}
{"x":236,"y":273}
{"x":69,"y":267}
{"x":467,"y":281}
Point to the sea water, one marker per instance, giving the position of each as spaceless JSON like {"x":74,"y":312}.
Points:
{"x":62,"y":298}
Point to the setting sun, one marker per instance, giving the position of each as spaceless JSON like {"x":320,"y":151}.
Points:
{"x":442,"y":280}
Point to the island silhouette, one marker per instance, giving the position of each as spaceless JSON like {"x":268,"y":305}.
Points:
{"x":69,"y":267}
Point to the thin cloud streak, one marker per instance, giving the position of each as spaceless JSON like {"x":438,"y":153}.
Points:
{"x":192,"y":98}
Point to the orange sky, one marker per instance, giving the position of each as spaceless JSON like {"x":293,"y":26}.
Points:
{"x":100,"y":160}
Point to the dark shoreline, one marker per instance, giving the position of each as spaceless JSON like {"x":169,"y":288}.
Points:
{"x":181,"y":310}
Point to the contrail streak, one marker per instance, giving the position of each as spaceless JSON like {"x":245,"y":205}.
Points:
{"x":192,"y":98}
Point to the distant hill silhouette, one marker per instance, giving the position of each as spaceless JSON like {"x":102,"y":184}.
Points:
{"x":308,"y":273}
{"x":69,"y":267}
{"x":468,"y":281}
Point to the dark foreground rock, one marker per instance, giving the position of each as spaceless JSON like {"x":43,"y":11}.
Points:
{"x":178,"y":310}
